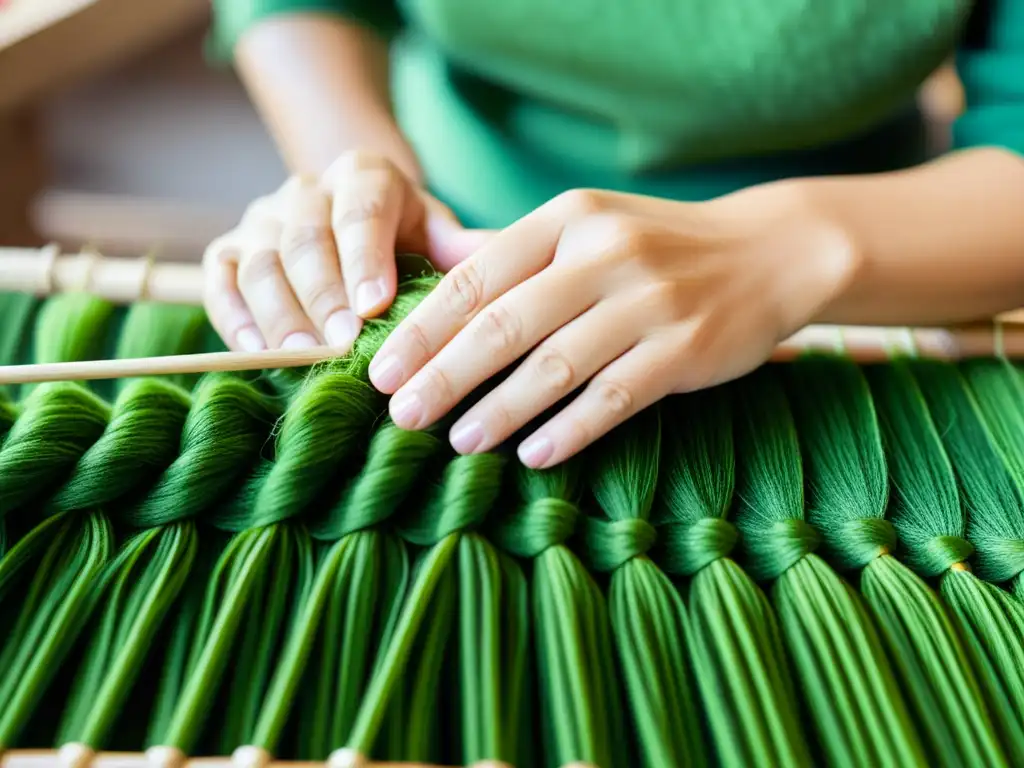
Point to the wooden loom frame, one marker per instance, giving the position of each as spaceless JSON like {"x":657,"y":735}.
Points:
{"x":46,"y":271}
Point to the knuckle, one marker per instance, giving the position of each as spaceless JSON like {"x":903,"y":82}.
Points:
{"x":364,"y":209}
{"x":580,"y":202}
{"x":260,"y":209}
{"x":663,"y":301}
{"x":499,"y":418}
{"x":629,"y":237}
{"x":354,"y":161}
{"x":321,"y":300}
{"x":501,"y":329}
{"x":258,"y":265}
{"x":301,"y":242}
{"x":437,"y":382}
{"x":464,"y":290}
{"x":613,"y":397}
{"x":414,"y":333}
{"x":553,"y":369}
{"x":362,"y":258}
{"x":222,"y":249}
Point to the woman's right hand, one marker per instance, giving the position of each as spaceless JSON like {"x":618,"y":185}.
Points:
{"x":309,"y":262}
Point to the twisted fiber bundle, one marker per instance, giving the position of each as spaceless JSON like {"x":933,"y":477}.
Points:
{"x":267,"y":562}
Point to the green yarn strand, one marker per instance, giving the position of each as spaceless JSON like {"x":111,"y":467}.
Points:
{"x":859,"y":711}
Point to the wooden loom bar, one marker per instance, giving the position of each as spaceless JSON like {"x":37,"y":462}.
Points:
{"x":44,"y":272}
{"x":52,"y":759}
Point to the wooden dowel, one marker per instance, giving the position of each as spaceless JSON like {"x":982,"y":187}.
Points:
{"x":44,"y":272}
{"x":49,"y":759}
{"x":862,"y":344}
{"x":93,"y":370}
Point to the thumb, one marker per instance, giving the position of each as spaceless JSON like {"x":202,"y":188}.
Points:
{"x":449,"y":243}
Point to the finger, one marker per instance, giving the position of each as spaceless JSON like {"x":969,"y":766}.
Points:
{"x":556,"y":368}
{"x":310,"y":260}
{"x":498,"y":336}
{"x":263,"y":285}
{"x":224,"y":304}
{"x":506,"y":260}
{"x":370,"y":196}
{"x":444,"y":240}
{"x":631,"y":383}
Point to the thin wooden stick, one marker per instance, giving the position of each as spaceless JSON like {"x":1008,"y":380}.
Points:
{"x":93,"y":370}
{"x":863,"y":344}
{"x":45,"y":271}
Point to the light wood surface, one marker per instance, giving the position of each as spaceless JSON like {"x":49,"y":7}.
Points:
{"x":47,"y":44}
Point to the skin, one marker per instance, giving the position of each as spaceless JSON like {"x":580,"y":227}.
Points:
{"x":608,"y":301}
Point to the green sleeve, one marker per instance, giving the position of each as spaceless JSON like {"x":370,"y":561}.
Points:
{"x":231,"y":18}
{"x":991,"y":66}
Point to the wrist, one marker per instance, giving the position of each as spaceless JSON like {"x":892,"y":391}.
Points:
{"x":811,"y":258}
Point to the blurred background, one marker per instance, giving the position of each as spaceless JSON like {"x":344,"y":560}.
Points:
{"x":117,"y":133}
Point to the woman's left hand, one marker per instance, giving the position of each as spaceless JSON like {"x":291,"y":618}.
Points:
{"x":634,"y":297}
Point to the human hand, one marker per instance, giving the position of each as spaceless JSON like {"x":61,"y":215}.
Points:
{"x":308,"y":263}
{"x":633,"y":297}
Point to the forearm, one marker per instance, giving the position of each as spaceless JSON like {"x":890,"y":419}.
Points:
{"x":940,"y":243}
{"x":321,"y":85}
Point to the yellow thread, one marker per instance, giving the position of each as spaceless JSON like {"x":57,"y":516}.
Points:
{"x":49,"y":255}
{"x":998,"y":340}
{"x":883,"y":550}
{"x":961,"y":566}
{"x":144,"y":277}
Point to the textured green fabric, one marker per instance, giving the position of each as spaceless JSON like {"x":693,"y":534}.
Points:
{"x":675,"y":98}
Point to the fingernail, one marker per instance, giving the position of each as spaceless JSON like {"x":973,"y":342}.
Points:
{"x":369,"y":295}
{"x":466,"y":438}
{"x":536,"y":451}
{"x":341,"y":328}
{"x":387,"y":374}
{"x":298,"y":341}
{"x":407,"y":410}
{"x":250,"y":340}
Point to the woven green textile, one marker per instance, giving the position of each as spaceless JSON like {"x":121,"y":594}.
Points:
{"x":818,"y":564}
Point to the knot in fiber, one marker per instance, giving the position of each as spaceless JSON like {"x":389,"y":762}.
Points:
{"x":391,"y":473}
{"x":221,"y":441}
{"x":611,"y":543}
{"x":687,"y":548}
{"x":58,"y":424}
{"x":540,"y":524}
{"x":940,"y":553}
{"x":999,"y":559}
{"x":861,"y":541}
{"x":469,"y":488}
{"x":325,"y":424}
{"x":140,"y":441}
{"x":775,"y":550}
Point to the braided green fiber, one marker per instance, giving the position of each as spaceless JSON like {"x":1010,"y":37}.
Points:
{"x":72,"y":551}
{"x":848,"y":488}
{"x":738,"y":656}
{"x":581,"y":710}
{"x":858,"y":709}
{"x":260,"y":575}
{"x":490,"y":704}
{"x":926,"y":510}
{"x":142,"y":584}
{"x":996,"y":512}
{"x":648,"y":616}
{"x":357,"y":590}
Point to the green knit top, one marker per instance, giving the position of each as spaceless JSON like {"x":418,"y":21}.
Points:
{"x":509,"y":102}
